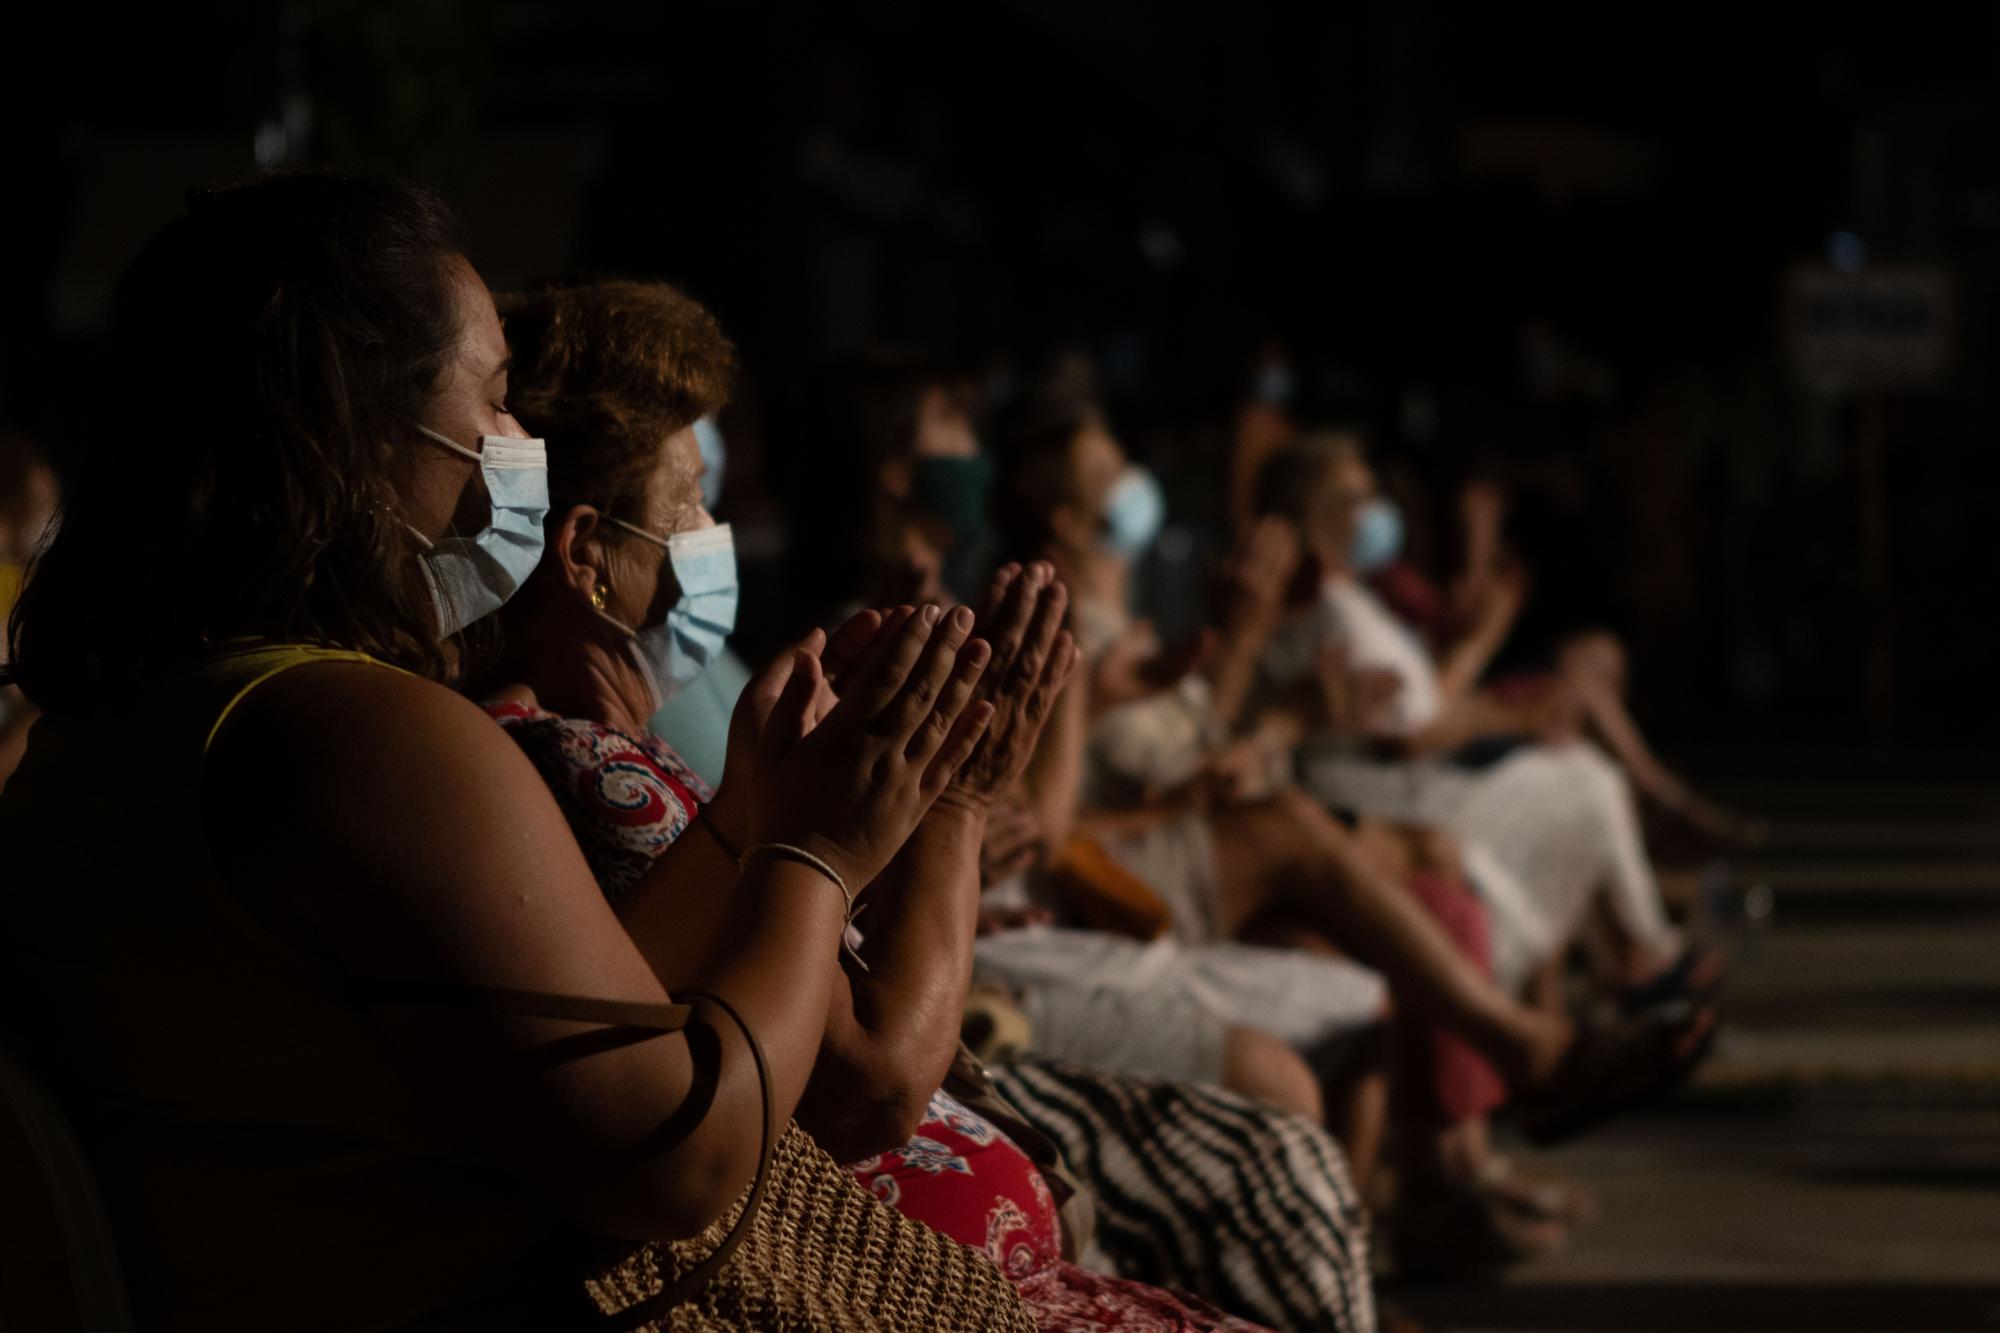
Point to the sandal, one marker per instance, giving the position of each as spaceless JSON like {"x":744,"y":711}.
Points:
{"x":1695,"y":977}
{"x":1614,"y":1068}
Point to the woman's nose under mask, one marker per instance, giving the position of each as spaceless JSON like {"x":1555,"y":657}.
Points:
{"x":677,"y":650}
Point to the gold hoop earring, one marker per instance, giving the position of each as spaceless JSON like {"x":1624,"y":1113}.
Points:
{"x":597,"y":596}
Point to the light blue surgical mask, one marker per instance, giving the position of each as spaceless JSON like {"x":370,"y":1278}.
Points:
{"x":1378,"y":535}
{"x":679,"y":648}
{"x":472,"y":577}
{"x":709,"y":439}
{"x":1134,"y":509}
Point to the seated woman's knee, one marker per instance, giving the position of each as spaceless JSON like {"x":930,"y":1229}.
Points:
{"x":1260,"y":1066}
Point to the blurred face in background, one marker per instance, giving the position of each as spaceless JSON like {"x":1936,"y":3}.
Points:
{"x":1343,"y":486}
{"x":944,"y":428}
{"x":1096,"y":462}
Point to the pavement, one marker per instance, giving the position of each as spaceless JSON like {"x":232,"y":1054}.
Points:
{"x":1836,"y":1163}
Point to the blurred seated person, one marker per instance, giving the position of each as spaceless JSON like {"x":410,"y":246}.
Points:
{"x":1553,"y":825}
{"x":1136,"y":765}
{"x":889,"y":437}
{"x":884,"y":486}
{"x":1582,"y":690}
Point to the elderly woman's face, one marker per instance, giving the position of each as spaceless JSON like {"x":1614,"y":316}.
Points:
{"x":642,"y":581}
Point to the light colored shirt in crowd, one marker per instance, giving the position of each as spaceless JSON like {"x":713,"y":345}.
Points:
{"x":1350,"y":618}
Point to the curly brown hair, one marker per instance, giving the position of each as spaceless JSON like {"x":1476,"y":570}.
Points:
{"x":606,"y":371}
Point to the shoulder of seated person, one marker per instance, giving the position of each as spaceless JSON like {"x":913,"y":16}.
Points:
{"x":332,"y":717}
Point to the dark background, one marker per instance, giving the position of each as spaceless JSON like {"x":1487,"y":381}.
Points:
{"x":1551,"y":238}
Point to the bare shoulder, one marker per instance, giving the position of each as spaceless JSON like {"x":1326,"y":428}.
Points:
{"x":339,"y":762}
{"x":339,"y":721}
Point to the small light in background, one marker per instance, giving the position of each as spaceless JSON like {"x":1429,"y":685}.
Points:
{"x":1846,"y":251}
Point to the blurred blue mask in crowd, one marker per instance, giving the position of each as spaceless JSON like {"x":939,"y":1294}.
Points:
{"x":955,"y":490}
{"x":472,"y":577}
{"x":710,"y":441}
{"x":1134,"y":509}
{"x":679,"y":648}
{"x":1378,"y":535}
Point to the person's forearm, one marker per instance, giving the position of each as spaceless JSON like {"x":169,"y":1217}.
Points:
{"x":774,"y":962}
{"x":1466,"y":661}
{"x":891,"y":1031}
{"x":1054,"y":780}
{"x":1235,"y":669}
{"x":674,"y":912}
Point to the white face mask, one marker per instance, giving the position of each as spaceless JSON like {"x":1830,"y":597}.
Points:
{"x":472,"y":577}
{"x":679,"y":648}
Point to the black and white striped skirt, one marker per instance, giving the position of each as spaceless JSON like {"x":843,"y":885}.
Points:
{"x":1201,"y":1189}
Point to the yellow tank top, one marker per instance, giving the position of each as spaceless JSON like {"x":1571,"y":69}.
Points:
{"x":267,"y":1159}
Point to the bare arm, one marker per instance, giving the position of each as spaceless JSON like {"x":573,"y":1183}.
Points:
{"x":492,"y":891}
{"x":1260,"y":572}
{"x":1053,"y":782}
{"x":1465,"y":661}
{"x":890,"y":1031}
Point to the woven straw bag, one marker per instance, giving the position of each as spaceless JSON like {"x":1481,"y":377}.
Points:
{"x":820,"y":1252}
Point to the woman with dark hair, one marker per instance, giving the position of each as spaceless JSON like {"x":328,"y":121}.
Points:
{"x":884,"y":485}
{"x":351,"y":1036}
{"x":622,"y":609}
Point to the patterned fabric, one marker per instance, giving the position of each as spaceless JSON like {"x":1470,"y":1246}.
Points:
{"x":1202,"y":1189}
{"x":627,"y":798}
{"x":964,"y":1177}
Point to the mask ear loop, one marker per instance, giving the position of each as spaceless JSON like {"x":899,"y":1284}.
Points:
{"x":446,"y":442}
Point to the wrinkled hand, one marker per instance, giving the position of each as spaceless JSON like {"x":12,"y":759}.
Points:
{"x":838,"y":652}
{"x":1012,"y":841}
{"x":848,"y":779}
{"x":1136,"y":667}
{"x":1033,"y":656}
